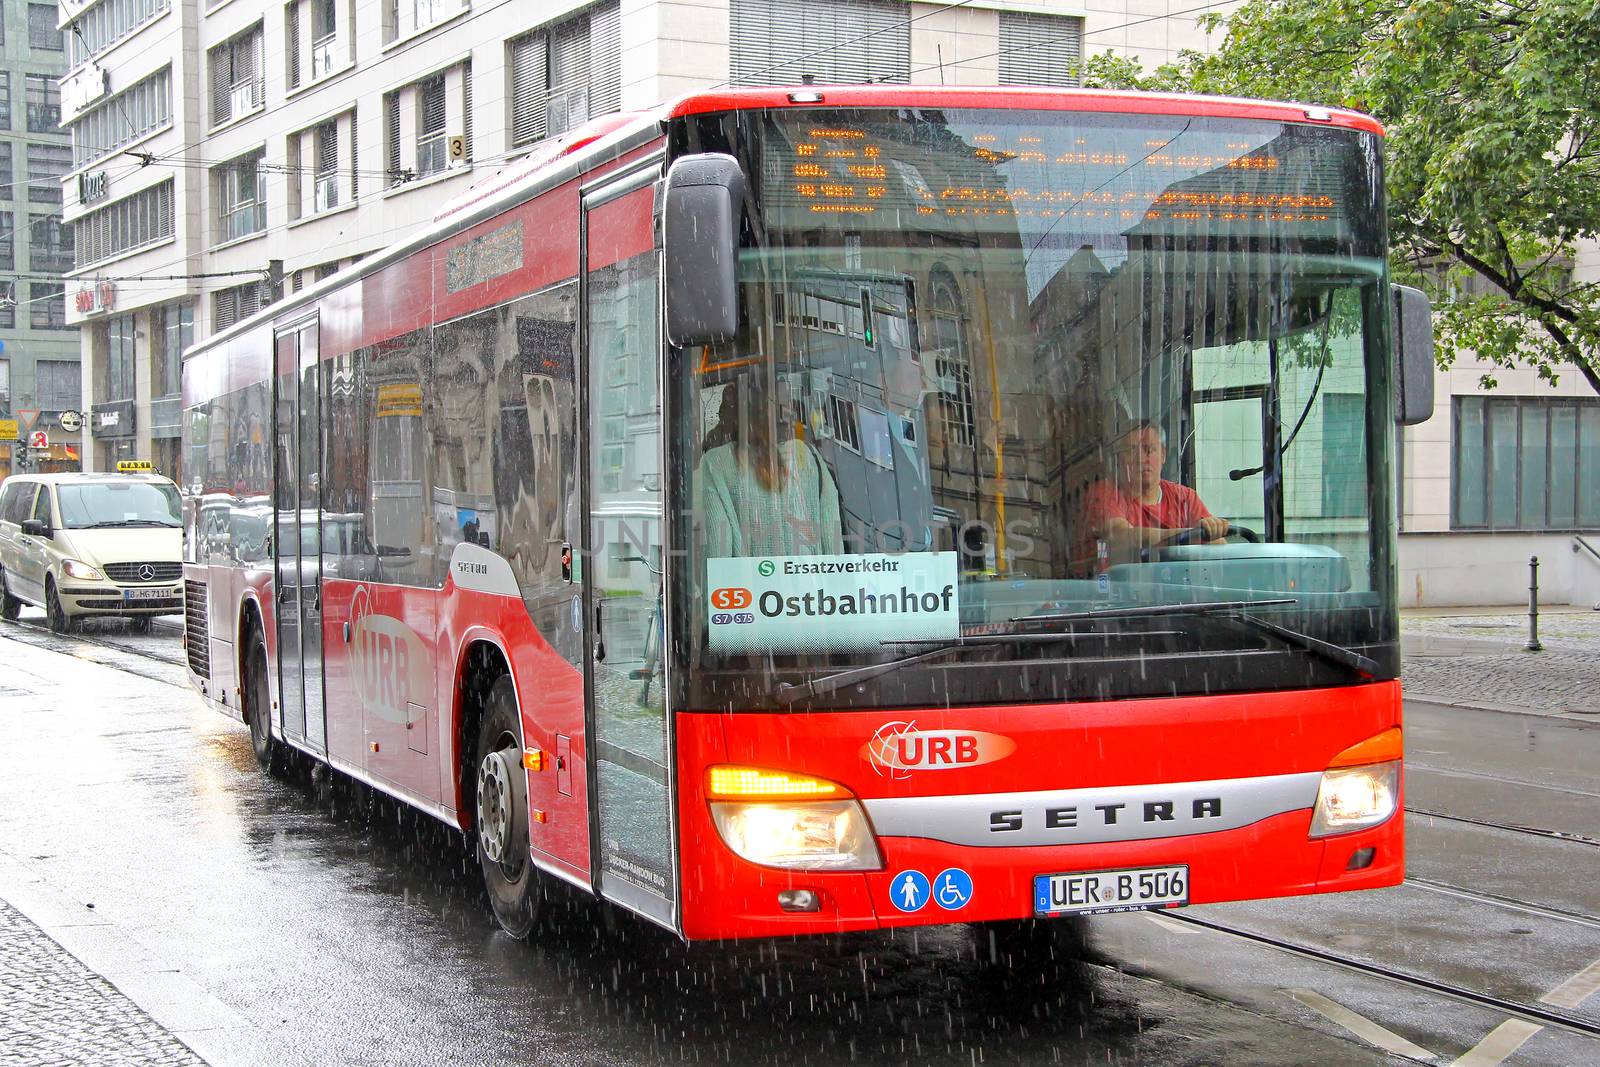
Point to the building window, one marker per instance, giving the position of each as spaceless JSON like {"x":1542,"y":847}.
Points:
{"x":441,"y":104}
{"x":1039,"y":49}
{"x":58,"y":384}
{"x":430,"y":127}
{"x":5,"y":391}
{"x":47,"y":305}
{"x":325,"y":143}
{"x":47,"y":165}
{"x":106,"y":23}
{"x":8,"y":244}
{"x":5,"y":99}
{"x":44,"y":103}
{"x":324,"y":36}
{"x":229,"y":306}
{"x":172,"y":327}
{"x":843,"y":41}
{"x":564,"y":75}
{"x":50,"y":244}
{"x":402,"y":18}
{"x":42,"y":32}
{"x":132,"y":222}
{"x":241,"y":204}
{"x":8,"y":305}
{"x":119,"y":362}
{"x":1526,"y":463}
{"x":123,"y":119}
{"x":1344,"y":455}
{"x":238,"y":85}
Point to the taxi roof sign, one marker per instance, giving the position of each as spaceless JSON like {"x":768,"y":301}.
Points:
{"x":135,"y":466}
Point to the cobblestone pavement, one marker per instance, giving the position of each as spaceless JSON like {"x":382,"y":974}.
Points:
{"x":1480,"y":660}
{"x":54,"y":1010}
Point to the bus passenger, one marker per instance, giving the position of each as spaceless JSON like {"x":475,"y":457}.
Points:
{"x":760,"y":496}
{"x":1137,"y":508}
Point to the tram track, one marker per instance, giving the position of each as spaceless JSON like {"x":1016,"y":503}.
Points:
{"x":1543,"y":910}
{"x":37,"y":635}
{"x":1533,"y":1013}
{"x":1532,"y":831}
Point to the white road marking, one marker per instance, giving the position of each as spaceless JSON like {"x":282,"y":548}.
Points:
{"x":1170,"y":925}
{"x":1361,"y":1026}
{"x":1575,"y":990}
{"x":1500,"y":1043}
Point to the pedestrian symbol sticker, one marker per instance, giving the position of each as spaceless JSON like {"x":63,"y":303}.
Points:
{"x":952,"y":888}
{"x":909,"y":890}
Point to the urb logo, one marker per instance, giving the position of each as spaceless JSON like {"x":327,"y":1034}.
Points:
{"x":766,"y":568}
{"x":898,"y":748}
{"x":389,"y":661}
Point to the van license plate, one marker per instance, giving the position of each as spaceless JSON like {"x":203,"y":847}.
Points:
{"x":145,"y":594}
{"x":1133,"y":889}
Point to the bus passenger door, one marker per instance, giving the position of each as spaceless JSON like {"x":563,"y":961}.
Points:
{"x":297,"y":535}
{"x":629,"y":745}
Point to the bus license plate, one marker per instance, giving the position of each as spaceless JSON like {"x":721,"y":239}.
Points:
{"x":146,"y":594}
{"x":1085,"y":892}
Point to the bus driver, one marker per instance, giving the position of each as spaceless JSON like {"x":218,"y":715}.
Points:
{"x":759,"y":489}
{"x":1138,"y":509}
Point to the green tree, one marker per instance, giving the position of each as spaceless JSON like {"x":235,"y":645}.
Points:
{"x":1492,"y":109}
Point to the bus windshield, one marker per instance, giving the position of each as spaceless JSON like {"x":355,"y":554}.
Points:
{"x":1034,"y":406}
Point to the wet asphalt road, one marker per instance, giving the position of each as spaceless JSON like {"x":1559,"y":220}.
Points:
{"x":278,"y":922}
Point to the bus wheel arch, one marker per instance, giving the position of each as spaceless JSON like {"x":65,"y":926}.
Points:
{"x":493,"y":787}
{"x":255,"y":691}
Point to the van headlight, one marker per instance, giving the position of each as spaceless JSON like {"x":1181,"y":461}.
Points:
{"x":796,"y":822}
{"x":1361,"y":787}
{"x":81,"y":571}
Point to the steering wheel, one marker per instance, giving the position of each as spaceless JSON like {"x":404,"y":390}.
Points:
{"x":1197,"y":535}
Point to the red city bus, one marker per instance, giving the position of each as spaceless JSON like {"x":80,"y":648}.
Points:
{"x":836,"y":508}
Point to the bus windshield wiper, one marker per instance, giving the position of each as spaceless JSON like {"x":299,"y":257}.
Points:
{"x":788,"y":693}
{"x":1346,"y":657}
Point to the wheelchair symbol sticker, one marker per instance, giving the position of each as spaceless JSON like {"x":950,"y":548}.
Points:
{"x":952,"y":889}
{"x":909,"y":890}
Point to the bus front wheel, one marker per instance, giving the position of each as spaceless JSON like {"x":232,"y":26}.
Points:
{"x":502,"y":815}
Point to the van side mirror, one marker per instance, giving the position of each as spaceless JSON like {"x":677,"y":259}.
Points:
{"x":1413,"y":356}
{"x":37,"y":528}
{"x":700,"y":215}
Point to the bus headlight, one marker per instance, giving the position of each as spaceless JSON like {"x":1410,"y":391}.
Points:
{"x":1354,"y":798}
{"x":1361,"y":786}
{"x":797,"y":822}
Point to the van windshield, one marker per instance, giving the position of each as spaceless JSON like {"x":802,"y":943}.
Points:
{"x":106,"y":504}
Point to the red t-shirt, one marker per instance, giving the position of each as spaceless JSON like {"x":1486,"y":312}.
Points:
{"x":1179,"y":508}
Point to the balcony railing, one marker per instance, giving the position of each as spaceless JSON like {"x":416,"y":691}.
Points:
{"x":322,"y":56}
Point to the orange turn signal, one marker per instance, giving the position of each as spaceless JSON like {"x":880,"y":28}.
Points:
{"x":1379,"y":748}
{"x":730,"y":782}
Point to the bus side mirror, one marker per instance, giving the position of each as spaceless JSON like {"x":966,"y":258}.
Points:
{"x":1413,"y":356}
{"x":700,"y":235}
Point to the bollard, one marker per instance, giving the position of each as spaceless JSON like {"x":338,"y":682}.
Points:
{"x":1533,"y":605}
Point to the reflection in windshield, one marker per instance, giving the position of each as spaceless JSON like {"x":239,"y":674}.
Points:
{"x":118,"y":504}
{"x":997,"y":365}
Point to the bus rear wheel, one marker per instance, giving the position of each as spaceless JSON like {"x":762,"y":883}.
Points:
{"x":501,"y":789}
{"x":270,"y":753}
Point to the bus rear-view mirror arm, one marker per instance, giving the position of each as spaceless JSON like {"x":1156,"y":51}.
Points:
{"x":700,"y":212}
{"x":1413,"y":356}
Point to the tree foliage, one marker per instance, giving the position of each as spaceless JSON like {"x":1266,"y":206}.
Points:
{"x":1493,"y":152}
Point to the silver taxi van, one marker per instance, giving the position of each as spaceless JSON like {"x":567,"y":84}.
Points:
{"x":83,"y":545}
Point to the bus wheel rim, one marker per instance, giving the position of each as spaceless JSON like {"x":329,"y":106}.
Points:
{"x":495,"y":807}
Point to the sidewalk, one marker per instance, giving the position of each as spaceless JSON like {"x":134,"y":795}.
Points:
{"x":1477,"y":657}
{"x":54,"y":1010}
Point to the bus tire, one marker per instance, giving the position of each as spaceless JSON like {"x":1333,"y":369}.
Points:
{"x":501,"y":825}
{"x":271,"y":754}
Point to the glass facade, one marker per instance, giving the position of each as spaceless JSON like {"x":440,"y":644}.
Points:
{"x":1526,"y":463}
